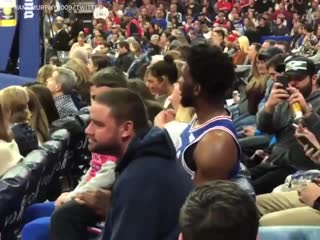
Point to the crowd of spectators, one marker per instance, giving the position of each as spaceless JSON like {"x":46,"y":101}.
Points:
{"x":159,"y":26}
{"x":204,"y":114}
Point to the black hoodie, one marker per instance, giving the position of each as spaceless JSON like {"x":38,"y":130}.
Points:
{"x":150,"y":188}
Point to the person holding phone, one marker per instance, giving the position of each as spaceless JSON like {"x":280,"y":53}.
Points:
{"x":287,"y":156}
{"x":252,"y":138}
{"x":299,"y":207}
{"x":309,"y":142}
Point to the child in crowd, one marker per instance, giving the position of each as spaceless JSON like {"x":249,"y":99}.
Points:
{"x":38,"y":216}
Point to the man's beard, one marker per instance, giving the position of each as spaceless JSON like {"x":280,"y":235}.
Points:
{"x":110,"y":149}
{"x":306,"y":91}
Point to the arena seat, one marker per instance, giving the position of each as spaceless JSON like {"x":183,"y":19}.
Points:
{"x":62,"y":136}
{"x":84,"y":116}
{"x":54,"y":151}
{"x":36,"y":161}
{"x":275,"y":38}
{"x":7,"y":80}
{"x":50,"y":187}
{"x":14,"y":195}
{"x":289,"y":233}
{"x":79,"y":156}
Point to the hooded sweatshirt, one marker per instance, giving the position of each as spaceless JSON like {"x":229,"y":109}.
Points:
{"x":287,"y":151}
{"x":150,"y":188}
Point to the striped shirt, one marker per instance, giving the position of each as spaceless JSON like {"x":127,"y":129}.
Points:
{"x":65,"y":106}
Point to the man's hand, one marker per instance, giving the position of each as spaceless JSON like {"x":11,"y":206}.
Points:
{"x":313,"y":154}
{"x":249,"y":131}
{"x":304,"y":132}
{"x":277,"y":95}
{"x":98,"y":199}
{"x":260,"y":156}
{"x":64,"y":197}
{"x":310,"y":151}
{"x":308,"y":194}
{"x":164,"y":117}
{"x":175,"y":97}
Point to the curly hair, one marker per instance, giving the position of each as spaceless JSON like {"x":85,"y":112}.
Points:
{"x":212,"y":69}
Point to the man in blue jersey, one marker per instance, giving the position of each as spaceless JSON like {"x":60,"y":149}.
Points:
{"x":208,"y":148}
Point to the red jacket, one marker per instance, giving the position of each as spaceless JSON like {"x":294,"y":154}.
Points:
{"x":222,"y":6}
{"x":137,"y":26}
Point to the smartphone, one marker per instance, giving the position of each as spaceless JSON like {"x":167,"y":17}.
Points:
{"x":284,"y":80}
{"x":305,"y":141}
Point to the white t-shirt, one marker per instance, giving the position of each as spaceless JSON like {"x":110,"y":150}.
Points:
{"x":9,"y":155}
{"x":100,"y":13}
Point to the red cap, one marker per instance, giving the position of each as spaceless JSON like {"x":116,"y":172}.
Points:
{"x":232,"y":38}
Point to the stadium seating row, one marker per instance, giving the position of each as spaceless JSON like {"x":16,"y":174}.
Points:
{"x":38,"y":177}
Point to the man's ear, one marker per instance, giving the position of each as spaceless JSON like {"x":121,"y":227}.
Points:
{"x":314,"y":79}
{"x":58,"y":87}
{"x":127,"y":130}
{"x":197,"y":89}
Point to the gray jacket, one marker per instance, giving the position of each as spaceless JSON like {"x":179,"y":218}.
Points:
{"x":287,"y":151}
{"x":104,"y":178}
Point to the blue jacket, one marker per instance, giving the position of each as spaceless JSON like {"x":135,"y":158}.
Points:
{"x":150,"y":188}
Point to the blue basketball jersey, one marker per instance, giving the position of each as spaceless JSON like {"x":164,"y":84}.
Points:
{"x":192,"y":135}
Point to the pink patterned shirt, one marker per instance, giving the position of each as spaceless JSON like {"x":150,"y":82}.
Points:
{"x":97,"y":161}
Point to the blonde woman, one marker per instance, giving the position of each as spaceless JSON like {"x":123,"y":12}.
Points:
{"x":242,"y":45}
{"x":83,"y":76}
{"x":44,"y":73}
{"x":14,"y":101}
{"x":9,"y":151}
{"x":256,"y":86}
{"x":254,"y":91}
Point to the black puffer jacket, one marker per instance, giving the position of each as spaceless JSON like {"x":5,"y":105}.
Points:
{"x":25,"y":137}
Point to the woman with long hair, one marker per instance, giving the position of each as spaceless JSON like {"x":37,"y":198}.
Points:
{"x":38,"y":118}
{"x":83,"y":85}
{"x":140,"y":59}
{"x":15,"y":109}
{"x":256,"y":86}
{"x":252,"y":94}
{"x":242,"y":45}
{"x":9,"y":151}
{"x":46,"y":100}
